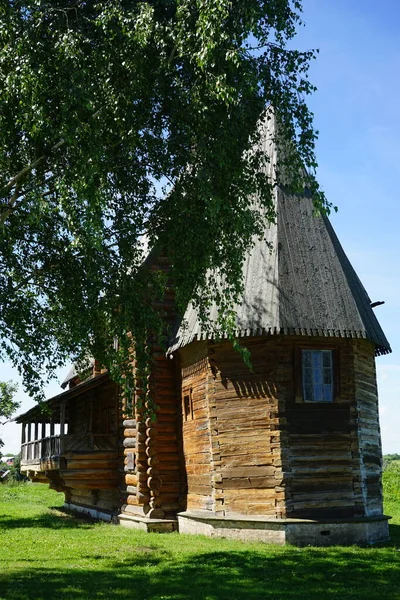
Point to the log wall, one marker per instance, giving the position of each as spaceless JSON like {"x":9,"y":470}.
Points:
{"x":101,"y":500}
{"x":251,"y":447}
{"x":196,"y":428}
{"x":152,"y":447}
{"x":232,"y":439}
{"x":369,"y":484}
{"x":247,"y":429}
{"x":90,"y":466}
{"x":163,"y":446}
{"x":321,"y":440}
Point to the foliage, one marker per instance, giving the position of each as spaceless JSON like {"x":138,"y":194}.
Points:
{"x":391,"y":481}
{"x":7,"y":404}
{"x":127,"y":125}
{"x":52,"y":555}
{"x":15,"y":470}
{"x":389,"y":458}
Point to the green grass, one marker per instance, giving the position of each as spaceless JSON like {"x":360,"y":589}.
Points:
{"x":45,"y":554}
{"x":391,"y":485}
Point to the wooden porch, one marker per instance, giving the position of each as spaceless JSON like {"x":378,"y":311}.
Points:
{"x":45,"y":452}
{"x":71,"y":441}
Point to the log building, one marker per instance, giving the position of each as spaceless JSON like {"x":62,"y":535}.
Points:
{"x":288,"y":451}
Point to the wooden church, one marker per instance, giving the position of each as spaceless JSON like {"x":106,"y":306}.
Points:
{"x":288,"y":452}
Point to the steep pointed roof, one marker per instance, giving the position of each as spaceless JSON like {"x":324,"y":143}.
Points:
{"x":298,"y":280}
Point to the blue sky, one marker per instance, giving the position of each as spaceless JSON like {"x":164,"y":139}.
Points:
{"x":357,"y":114}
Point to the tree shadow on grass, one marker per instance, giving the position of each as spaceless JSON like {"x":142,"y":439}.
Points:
{"x":58,"y":519}
{"x":394,"y":531}
{"x":278,"y":574}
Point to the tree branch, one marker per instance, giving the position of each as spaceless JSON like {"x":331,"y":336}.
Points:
{"x":19,"y":176}
{"x":17,"y":179}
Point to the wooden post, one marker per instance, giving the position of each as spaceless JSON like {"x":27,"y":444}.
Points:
{"x":96,"y":368}
{"x":62,"y":425}
{"x":23,"y":446}
{"x":28,"y":439}
{"x":42,"y":442}
{"x":51,"y":440}
{"x":36,"y":451}
{"x":90,"y":424}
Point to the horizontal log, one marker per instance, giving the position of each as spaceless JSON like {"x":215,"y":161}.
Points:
{"x":168,"y":409}
{"x":170,"y":506}
{"x":131,"y":479}
{"x":198,"y":469}
{"x":251,"y":508}
{"x":200,"y":458}
{"x":320,"y":470}
{"x":246,"y":425}
{"x":165,"y":455}
{"x":167,"y":466}
{"x":138,"y":499}
{"x":167,"y":420}
{"x":244,"y":495}
{"x":325,"y":504}
{"x":339,"y":459}
{"x":92,"y":455}
{"x":247,"y":460}
{"x":202,"y":446}
{"x":129,"y":443}
{"x":322,"y":497}
{"x":199,"y":502}
{"x":199,"y":480}
{"x":91,"y":484}
{"x":130,"y":433}
{"x":92,"y":464}
{"x":201,"y":490}
{"x":83,"y":474}
{"x":166,"y":437}
{"x":262,"y":471}
{"x":249,"y":483}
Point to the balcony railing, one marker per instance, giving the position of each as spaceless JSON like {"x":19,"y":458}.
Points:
{"x":54,"y":446}
{"x":43,"y":449}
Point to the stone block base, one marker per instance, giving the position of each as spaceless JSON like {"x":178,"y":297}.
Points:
{"x":299,"y":532}
{"x":146,"y":524}
{"x":90,"y":512}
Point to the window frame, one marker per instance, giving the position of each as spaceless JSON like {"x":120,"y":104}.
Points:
{"x":299,"y":398}
{"x":187,"y":405}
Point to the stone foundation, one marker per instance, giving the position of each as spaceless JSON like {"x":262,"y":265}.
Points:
{"x":149,"y":525}
{"x":298,"y":532}
{"x":94,"y":513}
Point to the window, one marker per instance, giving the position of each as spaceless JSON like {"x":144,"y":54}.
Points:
{"x":317,"y":375}
{"x":187,"y":404}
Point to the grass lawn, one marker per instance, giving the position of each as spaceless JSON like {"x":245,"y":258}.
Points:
{"x":47,"y":555}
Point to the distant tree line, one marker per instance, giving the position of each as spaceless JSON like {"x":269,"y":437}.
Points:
{"x":388,"y":459}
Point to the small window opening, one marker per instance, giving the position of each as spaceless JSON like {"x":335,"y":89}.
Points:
{"x":187,"y":405}
{"x":317,"y":375}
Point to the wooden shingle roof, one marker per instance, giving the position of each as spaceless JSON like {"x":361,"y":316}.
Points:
{"x":298,"y":281}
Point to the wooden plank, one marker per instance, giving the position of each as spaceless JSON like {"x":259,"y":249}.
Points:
{"x":258,"y":471}
{"x":249,"y":483}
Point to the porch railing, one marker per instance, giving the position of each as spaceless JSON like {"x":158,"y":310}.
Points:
{"x":44,"y":448}
{"x":53,"y":446}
